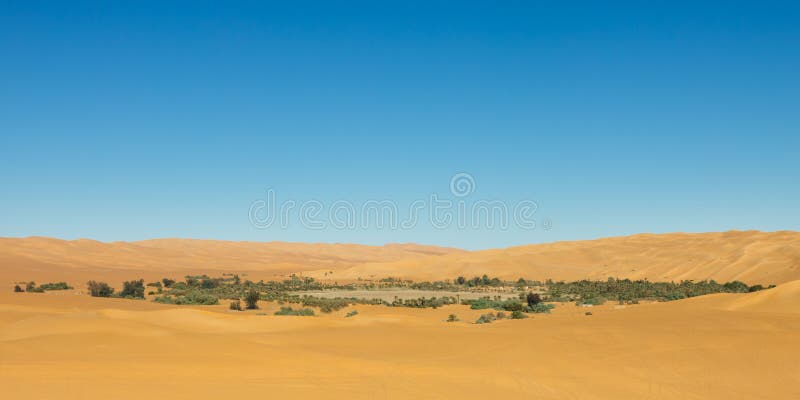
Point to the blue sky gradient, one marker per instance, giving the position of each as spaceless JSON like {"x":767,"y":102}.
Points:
{"x":168,"y":119}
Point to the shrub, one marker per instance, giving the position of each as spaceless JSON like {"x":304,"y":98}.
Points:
{"x":236,"y":305}
{"x":18,"y":289}
{"x":251,"y":298}
{"x":165,"y":299}
{"x":674,"y":296}
{"x":755,"y":288}
{"x":452,"y":318}
{"x":55,"y":286}
{"x":326,"y":305}
{"x":133,"y":289}
{"x":518,"y":315}
{"x":303,"y":312}
{"x":533,"y":299}
{"x":351,"y":314}
{"x":502,"y":315}
{"x":210,"y":283}
{"x":197,"y":297}
{"x":595,"y":301}
{"x":99,"y":289}
{"x":168,"y":282}
{"x":541,"y":308}
{"x":486,"y":318}
{"x":31,"y":287}
{"x":736,"y":287}
{"x":154,"y":284}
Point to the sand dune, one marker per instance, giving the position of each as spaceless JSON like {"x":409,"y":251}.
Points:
{"x":750,"y":256}
{"x":47,"y":258}
{"x":60,"y":345}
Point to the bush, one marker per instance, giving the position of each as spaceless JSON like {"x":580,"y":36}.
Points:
{"x":518,"y":315}
{"x":452,"y":318}
{"x":197,"y":297}
{"x":55,"y":286}
{"x":18,"y":289}
{"x":541,"y":308}
{"x":674,"y":296}
{"x":165,"y":299}
{"x":168,"y":282}
{"x":133,"y":289}
{"x":755,"y":288}
{"x":533,"y":299}
{"x":486,"y":318}
{"x":236,"y":305}
{"x":326,"y":305}
{"x":154,"y":284}
{"x":351,"y":314}
{"x":303,"y":312}
{"x":99,"y":289}
{"x":595,"y":301}
{"x":736,"y":287}
{"x":251,"y":298}
{"x":502,"y":315}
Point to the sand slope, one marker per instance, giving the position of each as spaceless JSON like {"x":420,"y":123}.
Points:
{"x":730,"y":346}
{"x":47,"y":258}
{"x":750,"y":256}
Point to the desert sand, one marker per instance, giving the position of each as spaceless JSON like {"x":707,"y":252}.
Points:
{"x":750,"y":256}
{"x":66,"y":345}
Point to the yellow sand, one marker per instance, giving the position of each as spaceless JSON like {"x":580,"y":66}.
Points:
{"x":750,"y":256}
{"x":67,"y":346}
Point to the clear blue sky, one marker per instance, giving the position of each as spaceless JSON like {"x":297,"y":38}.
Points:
{"x":164,"y":119}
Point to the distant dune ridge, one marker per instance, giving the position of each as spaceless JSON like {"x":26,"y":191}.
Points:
{"x":750,"y":256}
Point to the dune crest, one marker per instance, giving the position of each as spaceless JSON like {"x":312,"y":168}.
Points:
{"x":750,"y":256}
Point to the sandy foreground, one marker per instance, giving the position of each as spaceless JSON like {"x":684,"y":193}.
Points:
{"x":728,"y":346}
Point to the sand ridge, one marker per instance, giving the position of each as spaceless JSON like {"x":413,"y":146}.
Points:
{"x":751,"y":256}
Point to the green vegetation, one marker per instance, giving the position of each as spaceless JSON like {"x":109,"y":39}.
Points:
{"x":452,"y":318}
{"x":540,"y":308}
{"x":30,"y":287}
{"x":193,"y":297}
{"x":99,"y":289}
{"x":351,"y":314}
{"x":132,"y":289}
{"x":508,"y":299}
{"x":593,"y":301}
{"x":303,"y":312}
{"x":487,"y":303}
{"x":55,"y":286}
{"x":518,"y":315}
{"x":486,"y":318}
{"x":251,"y":299}
{"x":627,"y":291}
{"x":532,"y":299}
